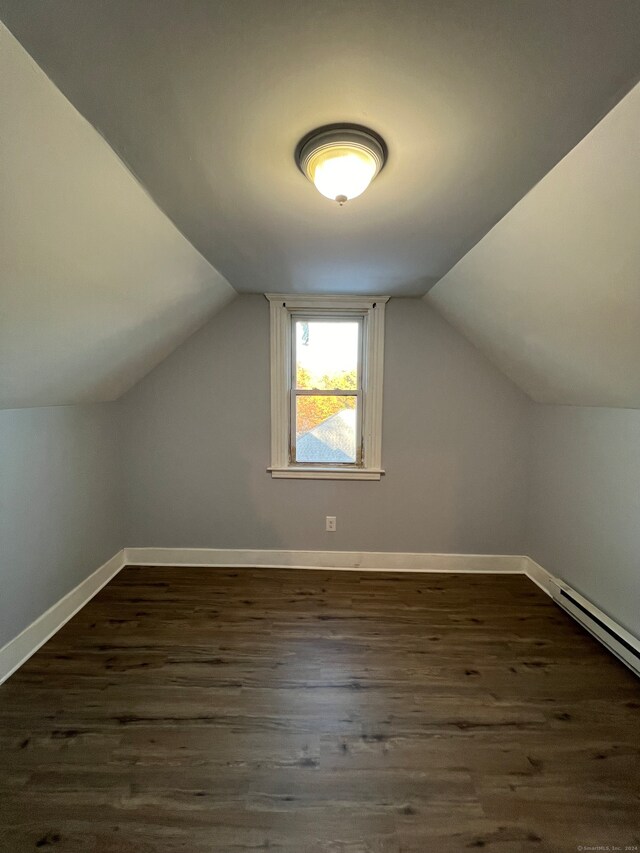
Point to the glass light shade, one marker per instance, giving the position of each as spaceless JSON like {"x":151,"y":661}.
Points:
{"x":342,"y":173}
{"x":341,"y":161}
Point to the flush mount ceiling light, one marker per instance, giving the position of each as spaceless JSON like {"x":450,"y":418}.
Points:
{"x":341,"y":160}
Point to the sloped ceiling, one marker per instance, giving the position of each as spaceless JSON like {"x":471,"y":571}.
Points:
{"x":96,"y":284}
{"x":552,"y":293}
{"x":205,"y":104}
{"x":205,"y":100}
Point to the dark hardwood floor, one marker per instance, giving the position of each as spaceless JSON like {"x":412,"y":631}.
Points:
{"x":199,"y":710}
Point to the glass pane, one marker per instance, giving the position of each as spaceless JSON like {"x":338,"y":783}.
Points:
{"x":327,"y":354}
{"x":326,"y":429}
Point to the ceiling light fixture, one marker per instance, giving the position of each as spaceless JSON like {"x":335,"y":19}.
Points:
{"x":341,"y":160}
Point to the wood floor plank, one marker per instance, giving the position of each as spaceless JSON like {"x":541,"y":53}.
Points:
{"x":214,"y":711}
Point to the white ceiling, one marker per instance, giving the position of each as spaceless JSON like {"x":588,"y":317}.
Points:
{"x":96,"y":284}
{"x":205,"y":100}
{"x":205,"y":104}
{"x":552,"y":293}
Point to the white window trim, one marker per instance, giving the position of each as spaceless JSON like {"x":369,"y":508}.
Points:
{"x":282,"y":306}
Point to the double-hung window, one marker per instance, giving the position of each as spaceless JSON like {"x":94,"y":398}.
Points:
{"x":327,"y":357}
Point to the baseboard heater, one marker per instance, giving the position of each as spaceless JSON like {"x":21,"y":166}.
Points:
{"x":620,"y":642}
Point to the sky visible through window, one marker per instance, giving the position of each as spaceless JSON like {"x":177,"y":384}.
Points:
{"x":326,"y":349}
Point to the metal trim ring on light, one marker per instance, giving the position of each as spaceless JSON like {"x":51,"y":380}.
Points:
{"x":338,"y":135}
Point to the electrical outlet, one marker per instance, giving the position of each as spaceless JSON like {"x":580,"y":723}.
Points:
{"x":331,"y":523}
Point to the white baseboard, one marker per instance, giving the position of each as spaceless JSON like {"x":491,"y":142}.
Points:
{"x":619,"y":641}
{"x":372,"y":561}
{"x":20,"y":649}
{"x":541,"y":577}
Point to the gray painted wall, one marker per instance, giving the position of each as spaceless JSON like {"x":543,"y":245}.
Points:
{"x":584,"y":510}
{"x":463,"y":449}
{"x":60,"y":507}
{"x":196,"y":448}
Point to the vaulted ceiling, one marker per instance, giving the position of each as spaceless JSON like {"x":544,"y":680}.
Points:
{"x":205,"y":100}
{"x":552,"y":293}
{"x":123,"y":237}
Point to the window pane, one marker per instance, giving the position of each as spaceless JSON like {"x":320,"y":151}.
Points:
{"x":327,"y":354}
{"x":326,"y":429}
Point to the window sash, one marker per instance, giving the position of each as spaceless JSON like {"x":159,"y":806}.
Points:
{"x":326,"y":392}
{"x":327,"y":317}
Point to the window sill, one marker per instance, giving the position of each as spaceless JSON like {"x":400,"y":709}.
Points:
{"x":325,"y":473}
